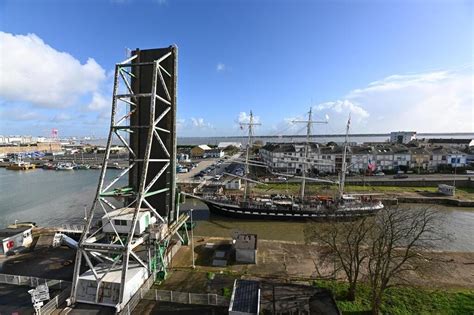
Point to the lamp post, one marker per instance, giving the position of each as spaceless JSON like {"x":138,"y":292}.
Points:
{"x":192,"y":239}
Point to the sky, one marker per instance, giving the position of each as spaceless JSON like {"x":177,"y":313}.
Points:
{"x":390,"y":65}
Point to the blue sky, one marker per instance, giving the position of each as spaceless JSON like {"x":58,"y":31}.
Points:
{"x":393,"y":65}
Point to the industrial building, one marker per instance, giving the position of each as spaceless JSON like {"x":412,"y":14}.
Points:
{"x":245,"y":246}
{"x":14,"y":239}
{"x":245,"y":299}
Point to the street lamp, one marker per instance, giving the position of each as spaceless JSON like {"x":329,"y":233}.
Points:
{"x":192,"y":239}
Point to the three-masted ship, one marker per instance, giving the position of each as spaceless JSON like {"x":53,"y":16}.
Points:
{"x":340,"y":207}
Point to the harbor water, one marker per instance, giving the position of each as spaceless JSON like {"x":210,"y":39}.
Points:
{"x":54,"y":198}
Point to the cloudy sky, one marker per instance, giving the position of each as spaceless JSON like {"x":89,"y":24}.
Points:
{"x":393,"y":65}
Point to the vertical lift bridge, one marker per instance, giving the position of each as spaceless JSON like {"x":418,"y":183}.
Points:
{"x":127,"y":226}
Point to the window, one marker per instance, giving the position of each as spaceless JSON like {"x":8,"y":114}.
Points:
{"x":120,"y":222}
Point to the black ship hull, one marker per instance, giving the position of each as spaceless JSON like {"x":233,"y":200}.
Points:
{"x":344,"y":214}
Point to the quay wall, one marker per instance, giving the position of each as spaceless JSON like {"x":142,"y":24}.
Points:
{"x":42,"y":147}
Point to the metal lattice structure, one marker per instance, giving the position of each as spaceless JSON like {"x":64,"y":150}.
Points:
{"x":151,"y":163}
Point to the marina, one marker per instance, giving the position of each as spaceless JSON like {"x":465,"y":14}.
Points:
{"x":28,"y":197}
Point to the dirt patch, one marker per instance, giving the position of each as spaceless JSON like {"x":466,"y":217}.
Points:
{"x":290,"y":261}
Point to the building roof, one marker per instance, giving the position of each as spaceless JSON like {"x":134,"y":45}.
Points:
{"x":450,"y":141}
{"x":245,"y":296}
{"x":279,"y":147}
{"x":4,"y":233}
{"x":204,"y":147}
{"x":246,"y":241}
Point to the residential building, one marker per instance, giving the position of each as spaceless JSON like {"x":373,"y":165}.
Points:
{"x":438,"y":157}
{"x":456,"y":158}
{"x":213,"y":153}
{"x":401,"y":158}
{"x":460,"y":144}
{"x":290,"y":157}
{"x":198,"y":151}
{"x":361,"y":157}
{"x":420,"y":158}
{"x":402,"y":137}
{"x":383,"y":155}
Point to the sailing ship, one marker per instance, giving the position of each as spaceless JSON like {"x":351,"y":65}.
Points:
{"x":341,"y":207}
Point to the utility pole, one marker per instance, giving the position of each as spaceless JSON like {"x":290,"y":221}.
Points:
{"x":309,"y":124}
{"x":250,"y":125}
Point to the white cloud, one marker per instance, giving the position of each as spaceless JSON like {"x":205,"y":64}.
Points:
{"x":221,"y":67}
{"x":98,"y":102}
{"x":437,"y":101}
{"x":200,"y":123}
{"x":20,"y":114}
{"x":61,"y":117}
{"x":34,"y":72}
{"x":344,"y":107}
{"x":440,"y":101}
{"x":245,"y":118}
{"x":180,"y":123}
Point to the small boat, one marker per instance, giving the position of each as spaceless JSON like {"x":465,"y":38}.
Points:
{"x":49,"y":166}
{"x":21,"y":224}
{"x":21,"y":166}
{"x":64,"y":167}
{"x":115,"y":166}
{"x":95,"y":167}
{"x":82,"y":166}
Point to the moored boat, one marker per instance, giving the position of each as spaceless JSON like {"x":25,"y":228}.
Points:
{"x":342,"y":207}
{"x":21,"y":166}
{"x":64,"y":167}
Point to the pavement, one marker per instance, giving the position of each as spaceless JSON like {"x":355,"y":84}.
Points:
{"x":203,"y":164}
{"x":297,"y":261}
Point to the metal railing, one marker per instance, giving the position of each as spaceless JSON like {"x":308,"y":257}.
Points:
{"x":133,"y":302}
{"x":55,"y":302}
{"x":187,"y":298}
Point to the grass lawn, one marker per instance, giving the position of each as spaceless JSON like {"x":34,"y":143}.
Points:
{"x":405,"y":300}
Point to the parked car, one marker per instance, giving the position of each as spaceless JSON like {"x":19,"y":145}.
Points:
{"x":380,"y":174}
{"x":400,"y":176}
{"x":281,"y":179}
{"x":218,"y":177}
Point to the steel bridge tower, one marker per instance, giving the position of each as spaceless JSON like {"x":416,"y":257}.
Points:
{"x":118,"y":249}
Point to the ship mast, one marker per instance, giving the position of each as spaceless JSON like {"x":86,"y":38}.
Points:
{"x":250,"y":125}
{"x":309,"y":124}
{"x":342,"y":176}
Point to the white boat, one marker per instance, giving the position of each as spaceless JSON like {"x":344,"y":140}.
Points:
{"x":64,"y":167}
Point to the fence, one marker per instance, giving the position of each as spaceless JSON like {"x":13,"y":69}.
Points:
{"x":186,"y":298}
{"x":54,"y":303}
{"x":133,"y":302}
{"x":32,"y":281}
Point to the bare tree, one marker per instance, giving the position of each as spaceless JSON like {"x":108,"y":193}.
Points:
{"x":398,"y":237}
{"x":345,"y":244}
